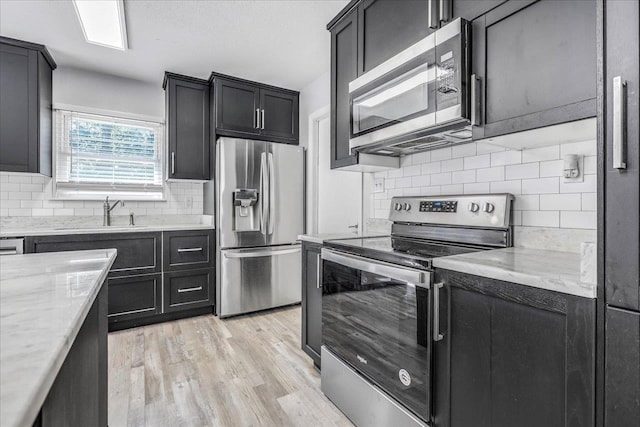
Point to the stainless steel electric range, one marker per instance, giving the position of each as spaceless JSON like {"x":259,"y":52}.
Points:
{"x":381,"y":309}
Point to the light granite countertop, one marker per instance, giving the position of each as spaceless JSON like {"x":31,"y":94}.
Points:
{"x":62,"y":230}
{"x":323,"y":237}
{"x":544,"y":269}
{"x":44,"y":299}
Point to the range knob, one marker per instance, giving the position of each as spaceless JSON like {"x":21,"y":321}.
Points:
{"x":397,"y":206}
{"x":407,"y":207}
{"x":473,"y":207}
{"x":488,"y":207}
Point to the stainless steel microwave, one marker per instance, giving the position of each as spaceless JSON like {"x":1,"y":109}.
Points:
{"x":419,"y":99}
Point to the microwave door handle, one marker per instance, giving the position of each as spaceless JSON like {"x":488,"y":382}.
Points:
{"x":272,"y":194}
{"x":407,"y":275}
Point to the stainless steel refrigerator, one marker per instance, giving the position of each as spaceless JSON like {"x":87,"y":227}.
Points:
{"x":259,"y":215}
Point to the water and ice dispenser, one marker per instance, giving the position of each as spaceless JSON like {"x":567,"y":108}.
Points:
{"x":246,"y":214}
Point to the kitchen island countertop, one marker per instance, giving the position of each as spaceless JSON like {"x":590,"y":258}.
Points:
{"x":44,"y":300}
{"x":543,"y":269}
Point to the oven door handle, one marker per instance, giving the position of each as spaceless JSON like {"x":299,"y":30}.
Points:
{"x":409,"y":275}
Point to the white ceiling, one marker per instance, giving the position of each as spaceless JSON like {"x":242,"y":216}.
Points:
{"x":284,"y":43}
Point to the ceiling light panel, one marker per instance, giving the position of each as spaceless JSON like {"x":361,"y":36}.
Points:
{"x":103,"y":22}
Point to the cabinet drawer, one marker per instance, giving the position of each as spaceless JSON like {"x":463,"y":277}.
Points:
{"x":188,"y":249}
{"x":187,"y":289}
{"x":134,"y":296}
{"x":138,"y":253}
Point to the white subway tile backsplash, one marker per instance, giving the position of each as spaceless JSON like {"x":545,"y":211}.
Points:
{"x":20,"y":178}
{"x":413,"y":170}
{"x":527,"y":202}
{"x":452,"y":189}
{"x":513,"y":187}
{"x":551,"y":168}
{"x":403,"y":182}
{"x":395,"y":173}
{"x":541,"y":154}
{"x":441,"y":178}
{"x":583,"y":219}
{"x":527,"y":170}
{"x":31,"y":187}
{"x":477,"y":188}
{"x":590,"y":165}
{"x":463,"y":177}
{"x":464,"y":150}
{"x":560,"y":202}
{"x":452,"y":165}
{"x":441,"y":154}
{"x":433,"y":167}
{"x":541,"y":218}
{"x":487,"y":147}
{"x":490,"y":174}
{"x":589,"y":201}
{"x":506,"y":158}
{"x":421,"y":181}
{"x":540,"y":186}
{"x":420,"y":158}
{"x":477,"y":162}
{"x":589,"y":185}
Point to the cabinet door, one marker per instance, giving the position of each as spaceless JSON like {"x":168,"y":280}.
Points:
{"x":132,"y":297}
{"x":537,"y":64}
{"x":513,"y":355}
{"x":344,"y":68}
{"x":387,"y":27}
{"x":138,"y":253}
{"x":471,"y":9}
{"x":18,"y":109}
{"x":622,"y":368}
{"x":311,"y":301}
{"x":621,"y":216}
{"x":237,"y":106}
{"x":188,"y":289}
{"x":279,"y":114}
{"x":188,"y":128}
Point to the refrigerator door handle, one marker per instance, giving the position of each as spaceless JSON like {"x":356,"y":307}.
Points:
{"x":261,"y":253}
{"x":264,"y":196}
{"x":272,"y":195}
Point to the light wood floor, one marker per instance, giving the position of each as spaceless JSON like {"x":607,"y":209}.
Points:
{"x":203,"y":371}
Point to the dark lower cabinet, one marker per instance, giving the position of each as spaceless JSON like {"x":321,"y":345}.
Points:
{"x":622,"y":366}
{"x":139,"y":292}
{"x":312,"y":300}
{"x":187,"y":111}
{"x":513,"y":355}
{"x":132,"y":297}
{"x":536,"y":61}
{"x":79,"y":394}
{"x":25,"y":107}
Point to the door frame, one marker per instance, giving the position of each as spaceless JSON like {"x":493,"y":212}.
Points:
{"x":313,"y":169}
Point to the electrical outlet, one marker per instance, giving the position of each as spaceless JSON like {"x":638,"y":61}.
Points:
{"x":378,"y":185}
{"x":573,"y":168}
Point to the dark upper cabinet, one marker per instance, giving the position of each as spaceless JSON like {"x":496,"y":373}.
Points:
{"x":344,"y":68}
{"x":311,"y":300}
{"x":25,"y":107}
{"x":239,"y":106}
{"x":620,"y":218}
{"x":536,"y":61}
{"x":247,"y":109}
{"x":469,"y":9}
{"x":187,"y":111}
{"x":622,"y":367}
{"x":513,"y":355}
{"x":386,"y":27}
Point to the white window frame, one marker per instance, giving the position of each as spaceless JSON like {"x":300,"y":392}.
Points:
{"x":64,"y":191}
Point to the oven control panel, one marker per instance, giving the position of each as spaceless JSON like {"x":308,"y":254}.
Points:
{"x":438,"y":206}
{"x":476,"y":210}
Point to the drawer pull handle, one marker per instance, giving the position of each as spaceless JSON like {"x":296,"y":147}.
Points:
{"x":189,"y":250}
{"x":199,"y":288}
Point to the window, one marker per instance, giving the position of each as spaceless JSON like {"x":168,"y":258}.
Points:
{"x":98,"y":156}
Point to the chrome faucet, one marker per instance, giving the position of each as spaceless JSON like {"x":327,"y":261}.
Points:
{"x":106,"y":218}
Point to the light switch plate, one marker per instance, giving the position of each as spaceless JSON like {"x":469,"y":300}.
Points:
{"x":378,"y":185}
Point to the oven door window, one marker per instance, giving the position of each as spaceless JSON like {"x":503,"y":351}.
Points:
{"x":403,"y":94}
{"x":381,"y":327}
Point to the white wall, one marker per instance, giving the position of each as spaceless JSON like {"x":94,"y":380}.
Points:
{"x":82,"y":88}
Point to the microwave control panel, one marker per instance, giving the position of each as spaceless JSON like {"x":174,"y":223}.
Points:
{"x":438,"y":206}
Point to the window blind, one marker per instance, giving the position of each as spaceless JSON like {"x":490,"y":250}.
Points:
{"x":107,"y":154}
